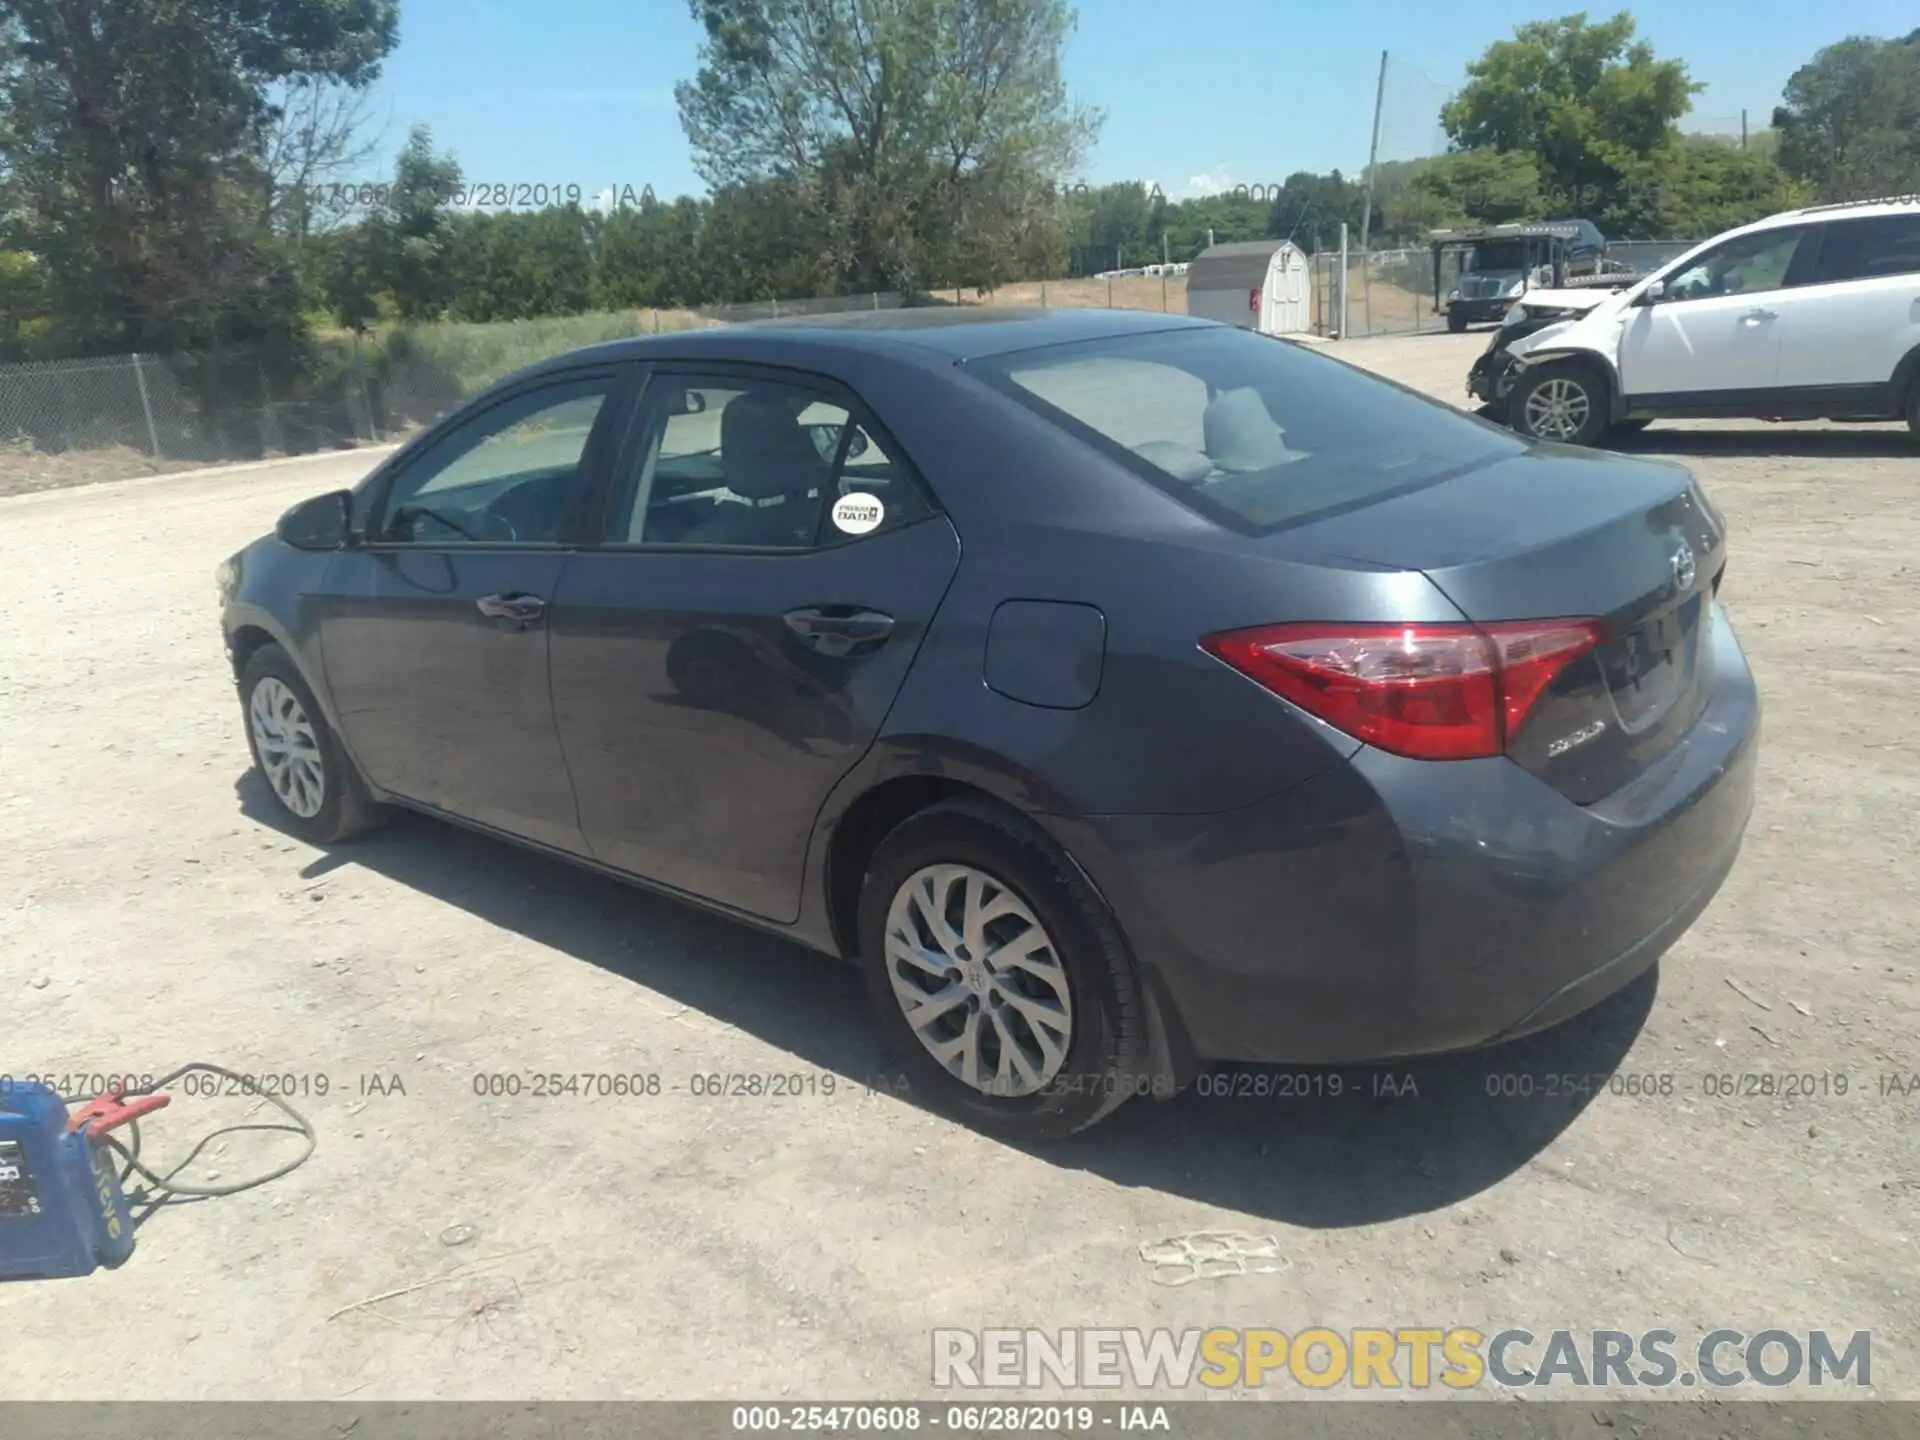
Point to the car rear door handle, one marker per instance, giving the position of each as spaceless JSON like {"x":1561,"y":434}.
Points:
{"x":1754,"y":317}
{"x":520,"y":608}
{"x":840,"y":629}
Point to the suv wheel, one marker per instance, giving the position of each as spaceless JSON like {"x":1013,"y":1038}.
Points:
{"x":319,"y":795}
{"x":1001,"y":980}
{"x":1913,"y":407}
{"x":1562,"y":401}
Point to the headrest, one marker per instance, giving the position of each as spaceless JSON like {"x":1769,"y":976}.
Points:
{"x":764,"y":450}
{"x":1240,"y":434}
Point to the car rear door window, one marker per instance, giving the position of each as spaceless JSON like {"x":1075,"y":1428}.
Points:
{"x":1250,"y":431}
{"x":726,"y":460}
{"x":1869,"y":248}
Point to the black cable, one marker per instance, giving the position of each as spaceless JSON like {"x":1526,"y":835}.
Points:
{"x":164,"y":1183}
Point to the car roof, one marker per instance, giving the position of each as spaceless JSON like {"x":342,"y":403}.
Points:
{"x":1841,"y":210}
{"x":935,"y":335}
{"x":1813,"y":215}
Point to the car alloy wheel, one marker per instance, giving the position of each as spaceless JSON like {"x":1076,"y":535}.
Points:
{"x":1557,"y":409}
{"x":289,"y":751}
{"x":978,"y":979}
{"x":1002,"y":983}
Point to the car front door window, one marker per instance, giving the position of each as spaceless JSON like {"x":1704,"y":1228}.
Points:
{"x":507,"y":476}
{"x":1748,"y":265}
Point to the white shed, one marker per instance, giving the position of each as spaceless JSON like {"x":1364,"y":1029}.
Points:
{"x":1262,"y":285}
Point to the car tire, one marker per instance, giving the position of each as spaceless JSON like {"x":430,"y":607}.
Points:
{"x":1563,"y":400}
{"x":1913,"y":407}
{"x":930,"y":863}
{"x":317,"y":793}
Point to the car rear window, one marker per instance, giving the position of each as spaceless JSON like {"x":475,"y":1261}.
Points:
{"x":1252,"y":432}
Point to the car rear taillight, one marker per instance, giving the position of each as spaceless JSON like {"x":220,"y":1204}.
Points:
{"x":1433,"y":692}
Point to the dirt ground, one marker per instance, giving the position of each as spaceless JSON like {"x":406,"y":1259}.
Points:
{"x":448,"y":1243}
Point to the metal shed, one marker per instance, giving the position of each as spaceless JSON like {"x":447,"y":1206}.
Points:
{"x":1259,"y":285}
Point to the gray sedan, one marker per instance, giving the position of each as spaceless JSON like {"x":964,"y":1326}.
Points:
{"x":1124,"y":693}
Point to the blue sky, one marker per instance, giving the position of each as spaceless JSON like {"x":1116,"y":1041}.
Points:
{"x":1198,"y":96}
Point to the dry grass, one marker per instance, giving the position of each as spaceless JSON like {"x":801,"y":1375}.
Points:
{"x":1131,"y":292}
{"x":24,"y":469}
{"x":1391,"y":308}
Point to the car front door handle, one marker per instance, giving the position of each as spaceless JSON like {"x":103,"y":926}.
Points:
{"x":1754,"y":317}
{"x":840,"y":629}
{"x":522,"y":609}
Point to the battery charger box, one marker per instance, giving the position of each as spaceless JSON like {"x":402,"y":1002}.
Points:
{"x":62,"y":1211}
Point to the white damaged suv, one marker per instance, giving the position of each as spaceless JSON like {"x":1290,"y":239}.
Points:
{"x":1808,"y":315}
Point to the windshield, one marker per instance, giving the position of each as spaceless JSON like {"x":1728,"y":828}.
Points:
{"x":1500,"y":255}
{"x":1250,"y":431}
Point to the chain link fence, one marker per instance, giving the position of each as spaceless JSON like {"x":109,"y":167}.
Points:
{"x":73,"y":420}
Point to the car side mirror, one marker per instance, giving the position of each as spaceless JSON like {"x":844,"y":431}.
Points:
{"x":322,"y":523}
{"x":1651,"y":295}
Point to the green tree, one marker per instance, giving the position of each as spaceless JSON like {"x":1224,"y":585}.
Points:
{"x":1697,"y":186}
{"x":137,"y":138}
{"x":648,"y":254}
{"x":1413,"y":212}
{"x":1390,"y":181}
{"x":23,"y":304}
{"x":1310,"y":209}
{"x":1122,"y":225}
{"x":517,"y":265}
{"x":1229,"y":216}
{"x":343,"y":264}
{"x":751,"y":245}
{"x":1584,"y":100}
{"x":409,"y":232}
{"x":1850,"y":124}
{"x":1487,"y":187}
{"x":901,"y":122}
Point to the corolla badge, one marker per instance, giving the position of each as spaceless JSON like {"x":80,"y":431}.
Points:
{"x":1683,"y":571}
{"x":1578,"y":737}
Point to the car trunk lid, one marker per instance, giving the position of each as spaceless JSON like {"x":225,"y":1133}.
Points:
{"x":1563,"y":534}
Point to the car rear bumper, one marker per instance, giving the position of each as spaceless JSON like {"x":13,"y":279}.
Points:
{"x":1394,"y":907}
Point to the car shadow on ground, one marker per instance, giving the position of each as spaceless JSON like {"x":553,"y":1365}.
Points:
{"x":1311,"y":1146}
{"x":1877,"y":443}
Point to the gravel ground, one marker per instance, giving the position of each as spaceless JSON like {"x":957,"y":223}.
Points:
{"x":442,"y":1243}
